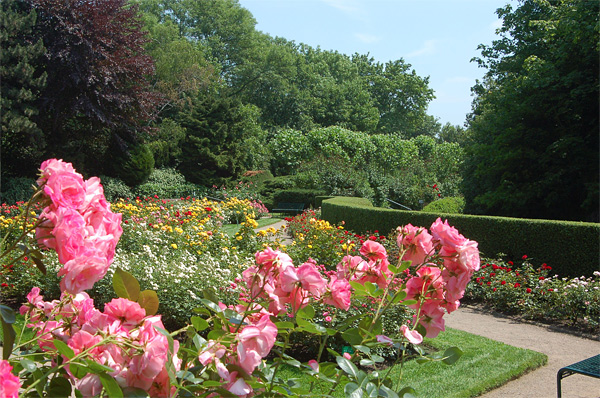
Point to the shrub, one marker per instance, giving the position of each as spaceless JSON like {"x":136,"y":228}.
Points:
{"x":115,"y":189}
{"x":306,"y":196}
{"x":451,"y":205}
{"x":257,"y":178}
{"x":571,"y":248}
{"x":16,"y":189}
{"x":167,"y":183}
{"x":132,"y":165}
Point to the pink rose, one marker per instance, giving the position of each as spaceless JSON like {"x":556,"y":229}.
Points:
{"x":82,"y":272}
{"x":9,"y":383}
{"x":288,"y":278}
{"x":373,"y":250}
{"x":340,"y":293}
{"x":448,"y":236}
{"x":385,"y":340}
{"x":53,"y":166}
{"x":129,"y":313}
{"x":411,"y":335}
{"x":65,"y":189}
{"x":417,"y":242}
{"x":259,"y":337}
{"x":311,"y":279}
{"x":432,"y":318}
{"x":314,"y":365}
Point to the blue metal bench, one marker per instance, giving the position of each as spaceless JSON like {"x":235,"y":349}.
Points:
{"x":588,"y":367}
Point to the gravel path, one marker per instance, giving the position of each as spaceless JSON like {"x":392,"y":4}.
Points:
{"x":562,"y":349}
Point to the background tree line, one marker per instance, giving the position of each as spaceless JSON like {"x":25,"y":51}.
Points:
{"x":121,"y":87}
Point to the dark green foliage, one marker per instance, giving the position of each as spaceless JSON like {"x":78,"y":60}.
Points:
{"x":533,"y":148}
{"x":570,"y":248}
{"x":306,"y":196}
{"x":131,"y":162}
{"x":213,"y":150}
{"x":115,"y":189}
{"x":20,"y":138}
{"x":269,"y":188}
{"x":450,"y":205}
{"x":258,"y":178}
{"x":167,"y":184}
{"x":16,"y":189}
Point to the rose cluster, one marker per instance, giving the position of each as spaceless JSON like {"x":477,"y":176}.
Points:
{"x":78,"y":224}
{"x":444,"y":262}
{"x":121,"y":337}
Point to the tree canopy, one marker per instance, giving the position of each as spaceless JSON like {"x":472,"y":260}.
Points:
{"x":533,"y":132}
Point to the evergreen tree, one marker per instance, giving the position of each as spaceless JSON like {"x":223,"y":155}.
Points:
{"x":21,"y":139}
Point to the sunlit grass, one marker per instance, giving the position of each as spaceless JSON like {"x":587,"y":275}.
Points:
{"x":485,"y":365}
{"x":231,"y":229}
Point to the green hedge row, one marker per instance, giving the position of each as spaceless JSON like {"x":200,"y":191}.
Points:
{"x":570,"y":248}
{"x":306,"y":196}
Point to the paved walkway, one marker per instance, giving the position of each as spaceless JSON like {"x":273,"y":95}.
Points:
{"x":561,"y":348}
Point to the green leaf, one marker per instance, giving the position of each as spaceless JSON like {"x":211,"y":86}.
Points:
{"x":148,"y":300}
{"x":347,"y":366}
{"x":110,"y":384}
{"x":97,"y":368}
{"x":363,"y":349}
{"x":352,"y":390}
{"x":285,"y":325}
{"x":451,"y":355}
{"x":28,"y":365}
{"x":59,"y":387}
{"x":39,"y":264}
{"x":132,"y":392}
{"x":352,"y":336}
{"x":399,"y":296}
{"x":210,"y":295}
{"x":63,"y":348}
{"x":199,"y":323}
{"x":198,"y":341}
{"x":125,"y":285}
{"x":387,"y":392}
{"x":366,"y":362}
{"x":211,"y":305}
{"x":8,"y":338}
{"x":78,"y":370}
{"x":407,"y":392}
{"x":404,"y":265}
{"x":307,"y":312}
{"x":333,"y":352}
{"x":7,"y":314}
{"x":409,"y":302}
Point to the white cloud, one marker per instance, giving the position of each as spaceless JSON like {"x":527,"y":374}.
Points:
{"x":428,"y":48}
{"x":367,"y":38}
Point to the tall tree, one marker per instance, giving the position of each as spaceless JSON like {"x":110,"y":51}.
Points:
{"x":21,"y":140}
{"x":533,"y":149}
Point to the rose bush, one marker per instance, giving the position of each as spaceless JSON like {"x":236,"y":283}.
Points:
{"x":125,"y":349}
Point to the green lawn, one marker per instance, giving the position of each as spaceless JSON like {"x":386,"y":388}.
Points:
{"x":485,"y":365}
{"x":231,"y":229}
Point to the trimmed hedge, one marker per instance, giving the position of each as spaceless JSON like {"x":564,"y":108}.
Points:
{"x":450,"y":205}
{"x":570,"y":248}
{"x":306,"y":196}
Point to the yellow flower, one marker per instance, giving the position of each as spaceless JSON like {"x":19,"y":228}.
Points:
{"x":239,"y":237}
{"x":173,"y":245}
{"x":310,"y":246}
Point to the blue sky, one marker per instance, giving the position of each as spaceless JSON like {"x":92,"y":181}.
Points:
{"x":437,"y":37}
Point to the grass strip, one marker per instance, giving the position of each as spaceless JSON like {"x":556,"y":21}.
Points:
{"x":486,"y":364}
{"x":231,"y":229}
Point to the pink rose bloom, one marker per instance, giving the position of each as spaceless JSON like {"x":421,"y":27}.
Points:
{"x":9,"y":383}
{"x":373,"y":250}
{"x":89,"y":385}
{"x":347,"y":356}
{"x":455,"y":285}
{"x":314,"y":365}
{"x":53,"y":166}
{"x":468,"y":256}
{"x":237,"y":385}
{"x":213,"y":351}
{"x":82,"y":341}
{"x":259,"y":337}
{"x":412,"y":335}
{"x":340,"y":293}
{"x":427,"y":284}
{"x":288,"y":278}
{"x":311,"y":279}
{"x":448,"y":236}
{"x":69,"y":233}
{"x":128,"y":312}
{"x":82,"y":272}
{"x":161,"y":386}
{"x":298,"y":298}
{"x":352,"y":267}
{"x":65,"y":189}
{"x":273,"y":258}
{"x":417,"y":242}
{"x":386,"y":340}
{"x":432,"y":318}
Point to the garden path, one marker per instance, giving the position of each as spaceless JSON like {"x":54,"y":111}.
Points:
{"x":561,"y":347}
